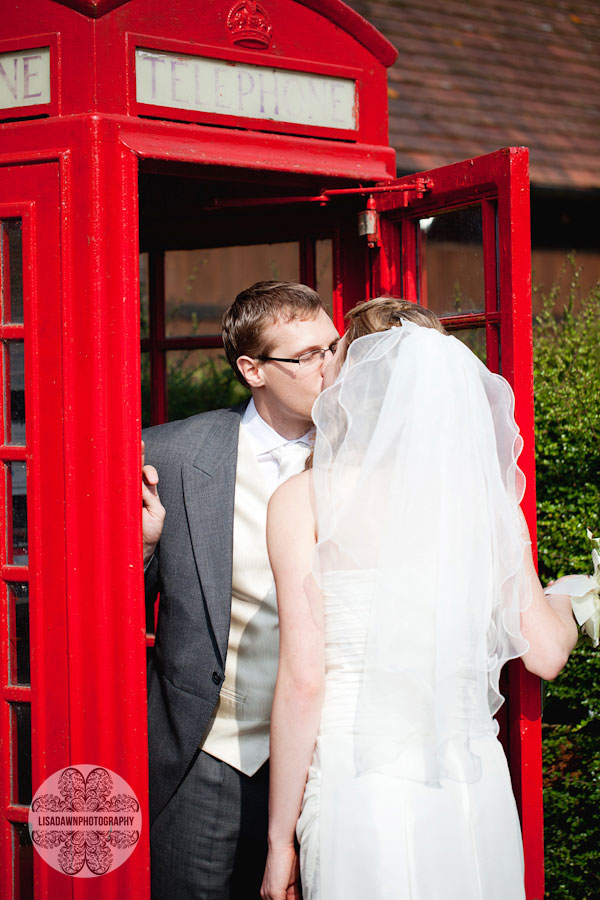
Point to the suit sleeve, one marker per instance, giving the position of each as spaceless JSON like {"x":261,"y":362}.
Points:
{"x":151,"y":578}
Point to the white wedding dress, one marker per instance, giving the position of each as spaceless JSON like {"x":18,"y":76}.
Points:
{"x":420,"y":559}
{"x":379,"y":836}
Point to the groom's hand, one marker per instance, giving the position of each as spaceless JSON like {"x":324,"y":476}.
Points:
{"x":153,"y":512}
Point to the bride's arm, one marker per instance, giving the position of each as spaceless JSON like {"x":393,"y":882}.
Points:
{"x":547,"y":624}
{"x":300,"y":678}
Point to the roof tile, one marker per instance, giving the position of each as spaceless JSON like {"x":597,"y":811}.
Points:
{"x":474,"y":77}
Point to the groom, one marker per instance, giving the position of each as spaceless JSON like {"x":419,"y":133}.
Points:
{"x":212,"y":678}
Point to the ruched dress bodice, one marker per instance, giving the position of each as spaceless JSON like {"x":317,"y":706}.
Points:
{"x":346,"y":601}
{"x":375,"y":834}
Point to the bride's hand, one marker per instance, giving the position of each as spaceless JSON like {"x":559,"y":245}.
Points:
{"x":281,"y":879}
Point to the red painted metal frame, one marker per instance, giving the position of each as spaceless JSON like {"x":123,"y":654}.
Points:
{"x":93,"y":8}
{"x":319,"y":36}
{"x":256,"y":151}
{"x":499,"y":182}
{"x":83,"y":404}
{"x":87,"y":632}
{"x":334,"y":10}
{"x":106,"y":621}
{"x":33,"y":189}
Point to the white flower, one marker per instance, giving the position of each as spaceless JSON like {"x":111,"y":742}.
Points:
{"x":584,"y":591}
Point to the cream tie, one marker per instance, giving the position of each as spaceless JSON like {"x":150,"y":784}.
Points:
{"x":291,"y":458}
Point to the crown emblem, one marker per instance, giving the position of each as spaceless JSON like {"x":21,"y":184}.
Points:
{"x":249,"y":24}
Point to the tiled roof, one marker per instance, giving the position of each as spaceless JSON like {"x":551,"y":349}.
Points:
{"x":475,"y":76}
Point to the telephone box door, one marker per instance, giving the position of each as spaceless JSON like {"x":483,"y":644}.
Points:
{"x":458,"y":242}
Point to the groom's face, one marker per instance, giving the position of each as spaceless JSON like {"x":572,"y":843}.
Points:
{"x":288,"y":388}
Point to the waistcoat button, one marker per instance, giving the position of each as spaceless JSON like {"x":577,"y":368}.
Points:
{"x":216,"y":678}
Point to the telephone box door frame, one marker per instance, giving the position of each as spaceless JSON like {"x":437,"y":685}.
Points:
{"x":500,"y":183}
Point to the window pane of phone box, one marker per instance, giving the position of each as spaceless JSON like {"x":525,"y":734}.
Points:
{"x":23,"y":857}
{"x":201,"y":284}
{"x":452,"y":262}
{"x":15,"y":397}
{"x":18,"y":553}
{"x":18,"y":609}
{"x":21,"y":742}
{"x":324,"y":267}
{"x":11,"y":270}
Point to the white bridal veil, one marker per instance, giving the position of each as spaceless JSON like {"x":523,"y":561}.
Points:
{"x":417,"y":490}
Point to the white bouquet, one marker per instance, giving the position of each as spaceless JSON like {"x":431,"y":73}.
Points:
{"x":584,"y":591}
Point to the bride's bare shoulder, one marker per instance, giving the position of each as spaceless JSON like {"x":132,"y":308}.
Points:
{"x":293,"y":494}
{"x":291,"y":524}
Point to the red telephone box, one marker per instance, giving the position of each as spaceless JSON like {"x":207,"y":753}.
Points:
{"x":129,"y":127}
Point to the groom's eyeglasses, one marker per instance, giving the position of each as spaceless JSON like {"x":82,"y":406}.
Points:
{"x":305,"y":360}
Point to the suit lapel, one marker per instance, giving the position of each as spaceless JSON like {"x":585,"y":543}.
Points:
{"x":209,"y":490}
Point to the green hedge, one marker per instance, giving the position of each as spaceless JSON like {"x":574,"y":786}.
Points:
{"x":194,"y":387}
{"x":567,"y":408}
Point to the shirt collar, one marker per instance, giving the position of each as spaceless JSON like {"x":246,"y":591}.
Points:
{"x":264,"y":438}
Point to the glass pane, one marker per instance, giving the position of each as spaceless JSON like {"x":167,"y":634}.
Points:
{"x":145,"y":390}
{"x":23,"y":856}
{"x":17,"y":551}
{"x":474,"y":338}
{"x":15,"y":413}
{"x":18,"y":598}
{"x":144,"y":296}
{"x":452,"y":262}
{"x":198,"y":380}
{"x":12,"y":270}
{"x":201,"y":284}
{"x":324,"y":265}
{"x":21,"y":742}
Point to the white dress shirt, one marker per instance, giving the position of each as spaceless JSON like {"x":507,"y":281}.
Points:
{"x":265,"y":439}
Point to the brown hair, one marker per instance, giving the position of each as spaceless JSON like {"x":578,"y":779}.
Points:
{"x":257,"y":307}
{"x":376,"y":315}
{"x":384,"y":313}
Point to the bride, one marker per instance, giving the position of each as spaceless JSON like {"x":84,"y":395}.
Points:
{"x":404,"y":581}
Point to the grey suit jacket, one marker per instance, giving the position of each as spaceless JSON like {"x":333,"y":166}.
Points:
{"x":196,"y":461}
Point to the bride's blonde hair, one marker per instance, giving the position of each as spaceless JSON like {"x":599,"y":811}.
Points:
{"x":383,"y":313}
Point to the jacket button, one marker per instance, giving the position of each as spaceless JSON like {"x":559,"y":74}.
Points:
{"x":216,"y":678}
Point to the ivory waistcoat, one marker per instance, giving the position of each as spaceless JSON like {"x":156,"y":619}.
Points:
{"x":238,"y":732}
